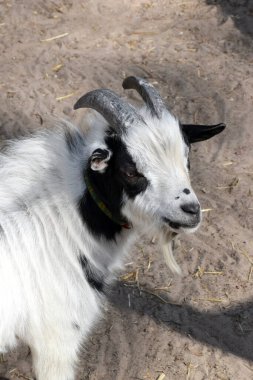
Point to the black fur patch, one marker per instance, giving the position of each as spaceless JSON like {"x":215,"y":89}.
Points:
{"x":96,"y":220}
{"x":109,"y":186}
{"x":122,"y":164}
{"x":92,"y":276}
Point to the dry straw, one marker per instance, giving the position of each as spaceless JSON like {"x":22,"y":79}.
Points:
{"x":55,"y":37}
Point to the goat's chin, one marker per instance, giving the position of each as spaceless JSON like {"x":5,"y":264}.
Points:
{"x":189,"y":230}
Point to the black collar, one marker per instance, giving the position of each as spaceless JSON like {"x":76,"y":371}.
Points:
{"x":102,"y":206}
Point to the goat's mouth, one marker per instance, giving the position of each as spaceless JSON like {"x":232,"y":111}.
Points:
{"x":175,"y":225}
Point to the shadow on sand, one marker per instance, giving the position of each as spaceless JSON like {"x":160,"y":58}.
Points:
{"x":241,"y":12}
{"x":230,"y":330}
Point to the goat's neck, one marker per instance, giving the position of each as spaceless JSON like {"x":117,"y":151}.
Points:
{"x":112,"y":239}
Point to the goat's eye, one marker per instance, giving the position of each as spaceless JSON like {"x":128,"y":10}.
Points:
{"x":130,"y":172}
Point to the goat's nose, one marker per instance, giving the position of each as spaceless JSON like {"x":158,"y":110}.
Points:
{"x":191,"y":208}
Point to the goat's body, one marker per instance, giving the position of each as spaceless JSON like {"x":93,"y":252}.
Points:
{"x":60,"y":242}
{"x":48,"y":300}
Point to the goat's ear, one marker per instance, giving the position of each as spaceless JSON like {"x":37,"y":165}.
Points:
{"x":195,"y":133}
{"x":99,"y":159}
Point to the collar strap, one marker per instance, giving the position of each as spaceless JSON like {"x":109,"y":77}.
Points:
{"x":121,"y":221}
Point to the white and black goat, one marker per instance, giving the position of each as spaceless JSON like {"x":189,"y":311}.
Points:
{"x":72,"y":203}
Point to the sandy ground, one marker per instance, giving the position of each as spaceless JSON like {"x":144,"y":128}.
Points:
{"x":200,"y":55}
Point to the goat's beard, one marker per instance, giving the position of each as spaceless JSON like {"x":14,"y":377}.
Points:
{"x":166,"y":240}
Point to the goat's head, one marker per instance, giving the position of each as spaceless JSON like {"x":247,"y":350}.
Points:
{"x":146,"y":152}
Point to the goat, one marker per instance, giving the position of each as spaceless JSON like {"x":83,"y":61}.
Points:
{"x":72,"y":204}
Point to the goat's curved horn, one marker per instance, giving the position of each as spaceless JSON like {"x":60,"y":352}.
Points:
{"x":148,"y":93}
{"x":119,"y":114}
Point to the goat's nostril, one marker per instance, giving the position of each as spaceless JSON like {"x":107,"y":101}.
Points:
{"x":191,"y":208}
{"x":186,"y":191}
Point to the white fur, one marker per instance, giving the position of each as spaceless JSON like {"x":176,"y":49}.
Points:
{"x":43,"y":291}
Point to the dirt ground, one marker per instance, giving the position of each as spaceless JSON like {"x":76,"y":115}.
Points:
{"x":200,"y":55}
